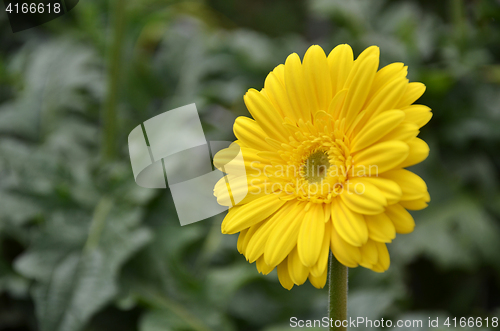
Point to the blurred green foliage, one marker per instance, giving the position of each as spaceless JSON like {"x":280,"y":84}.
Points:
{"x":82,"y":247}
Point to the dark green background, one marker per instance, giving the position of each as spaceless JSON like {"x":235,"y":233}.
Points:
{"x":82,"y":247}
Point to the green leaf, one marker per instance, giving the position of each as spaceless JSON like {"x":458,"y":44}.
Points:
{"x":222,"y":283}
{"x":457,"y":233}
{"x":17,"y":208}
{"x":155,"y":321}
{"x":74,"y":283}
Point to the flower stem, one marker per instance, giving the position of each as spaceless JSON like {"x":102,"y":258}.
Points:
{"x":337,"y":293}
{"x":109,"y":115}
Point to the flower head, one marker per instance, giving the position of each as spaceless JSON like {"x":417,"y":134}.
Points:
{"x":324,"y":159}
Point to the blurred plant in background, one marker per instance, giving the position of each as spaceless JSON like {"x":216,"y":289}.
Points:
{"x":82,"y":247}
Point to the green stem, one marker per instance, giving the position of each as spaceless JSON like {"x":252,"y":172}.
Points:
{"x":337,"y":293}
{"x":109,"y":117}
{"x":101,"y":212}
{"x":459,"y":20}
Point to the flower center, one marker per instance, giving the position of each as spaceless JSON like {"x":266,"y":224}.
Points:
{"x":316,"y":159}
{"x":316,"y":167}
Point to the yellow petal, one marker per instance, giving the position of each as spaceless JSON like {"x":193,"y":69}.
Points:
{"x":340,"y":61}
{"x":337,"y":103}
{"x":350,"y":225}
{"x":401,"y":218}
{"x":377,"y":268}
{"x":419,"y":150}
{"x":362,"y":75}
{"x":279,"y":71}
{"x":322,"y":264}
{"x":317,"y":79}
{"x":283,"y":238}
{"x":427,"y":197}
{"x":380,"y":157}
{"x":284,"y":275}
{"x":222,"y":192}
{"x":240,"y":161}
{"x":387,"y":97}
{"x":241,"y":239}
{"x":405,"y":131}
{"x":266,"y":115}
{"x":369,"y":51}
{"x":376,"y":128}
{"x":276,"y":92}
{"x":298,"y":272}
{"x":412,"y":93}
{"x":248,"y":131}
{"x":294,"y":83}
{"x":417,"y":204}
{"x":269,"y":157}
{"x":328,"y":212}
{"x":384,"y":260}
{"x":363,"y":198}
{"x":251,"y":213}
{"x":248,"y":235}
{"x":318,"y":281}
{"x":418,"y":114}
{"x":412,"y":186}
{"x":369,"y":254}
{"x":389,"y":189}
{"x":239,"y":190}
{"x":262,"y":267}
{"x":257,"y":243}
{"x":380,"y":228}
{"x":256,"y":189}
{"x":230,"y":212}
{"x":311,"y":235}
{"x":346,"y":254}
{"x":372,"y":51}
{"x":386,"y":75}
{"x":275,"y":144}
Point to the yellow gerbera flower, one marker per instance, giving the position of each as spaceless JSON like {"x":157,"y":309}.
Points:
{"x":324,"y":159}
